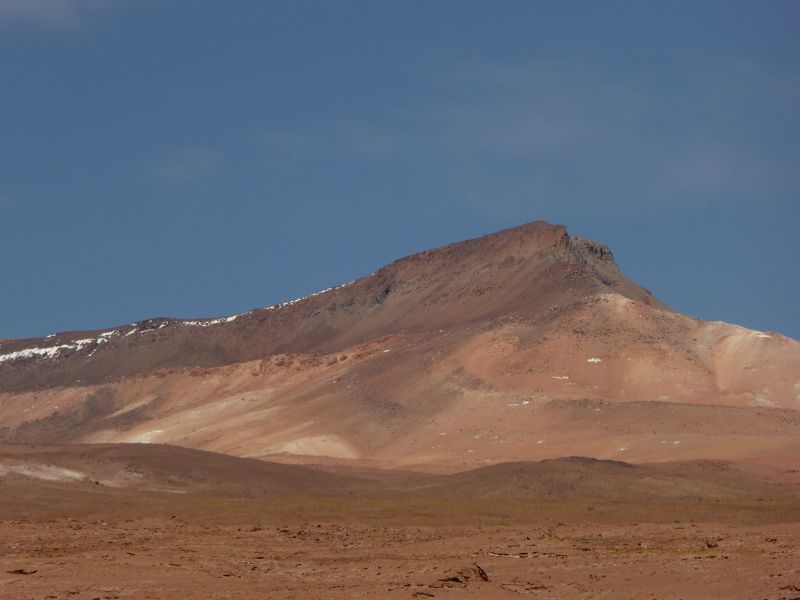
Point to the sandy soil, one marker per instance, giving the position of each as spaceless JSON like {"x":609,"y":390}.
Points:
{"x":200,"y":525}
{"x":172,"y":558}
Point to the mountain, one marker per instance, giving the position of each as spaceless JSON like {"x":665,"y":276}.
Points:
{"x":525,"y":344}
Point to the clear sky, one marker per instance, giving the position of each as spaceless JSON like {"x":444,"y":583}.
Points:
{"x":195,"y":158}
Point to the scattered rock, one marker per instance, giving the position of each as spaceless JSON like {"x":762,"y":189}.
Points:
{"x":463,"y":577}
{"x":481,"y":573}
{"x":22,"y":571}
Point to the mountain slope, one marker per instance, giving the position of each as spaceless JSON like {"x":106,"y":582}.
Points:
{"x":520,"y":345}
{"x":515,"y":272}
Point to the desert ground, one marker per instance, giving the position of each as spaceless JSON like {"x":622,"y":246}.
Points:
{"x":175,"y":558}
{"x":201,"y":525}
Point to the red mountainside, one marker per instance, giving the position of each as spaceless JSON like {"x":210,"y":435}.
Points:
{"x":522,"y":345}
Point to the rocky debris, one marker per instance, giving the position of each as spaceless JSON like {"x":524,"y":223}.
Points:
{"x":586,"y":246}
{"x":22,"y":571}
{"x":140,"y":549}
{"x":463,"y":577}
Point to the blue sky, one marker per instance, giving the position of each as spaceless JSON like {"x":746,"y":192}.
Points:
{"x":197,"y":158}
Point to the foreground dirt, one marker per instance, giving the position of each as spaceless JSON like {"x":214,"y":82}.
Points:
{"x":149,"y":521}
{"x":172,"y":558}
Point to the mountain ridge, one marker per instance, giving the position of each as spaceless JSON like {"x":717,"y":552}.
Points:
{"x":423,"y":275}
{"x":525,"y":344}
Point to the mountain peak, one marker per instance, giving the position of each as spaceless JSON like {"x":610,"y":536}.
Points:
{"x":517,"y":273}
{"x":526,"y":343}
{"x":516,"y":269}
{"x":533,"y":240}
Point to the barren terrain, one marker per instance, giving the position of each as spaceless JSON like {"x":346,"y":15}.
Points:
{"x":168,"y":558}
{"x":210,"y":526}
{"x":507,"y":416}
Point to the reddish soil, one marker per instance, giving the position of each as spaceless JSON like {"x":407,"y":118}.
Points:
{"x":201,"y":525}
{"x":171,"y":558}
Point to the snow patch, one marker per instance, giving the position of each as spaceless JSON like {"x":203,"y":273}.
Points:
{"x":301,"y":298}
{"x":209,"y":322}
{"x":54,"y":351}
{"x":204,"y":323}
{"x":50,"y":351}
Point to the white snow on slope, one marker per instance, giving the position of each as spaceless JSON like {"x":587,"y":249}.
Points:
{"x":55,"y":351}
{"x":218,"y":321}
{"x":50,"y":351}
{"x":319,"y":293}
{"x":203,"y":323}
